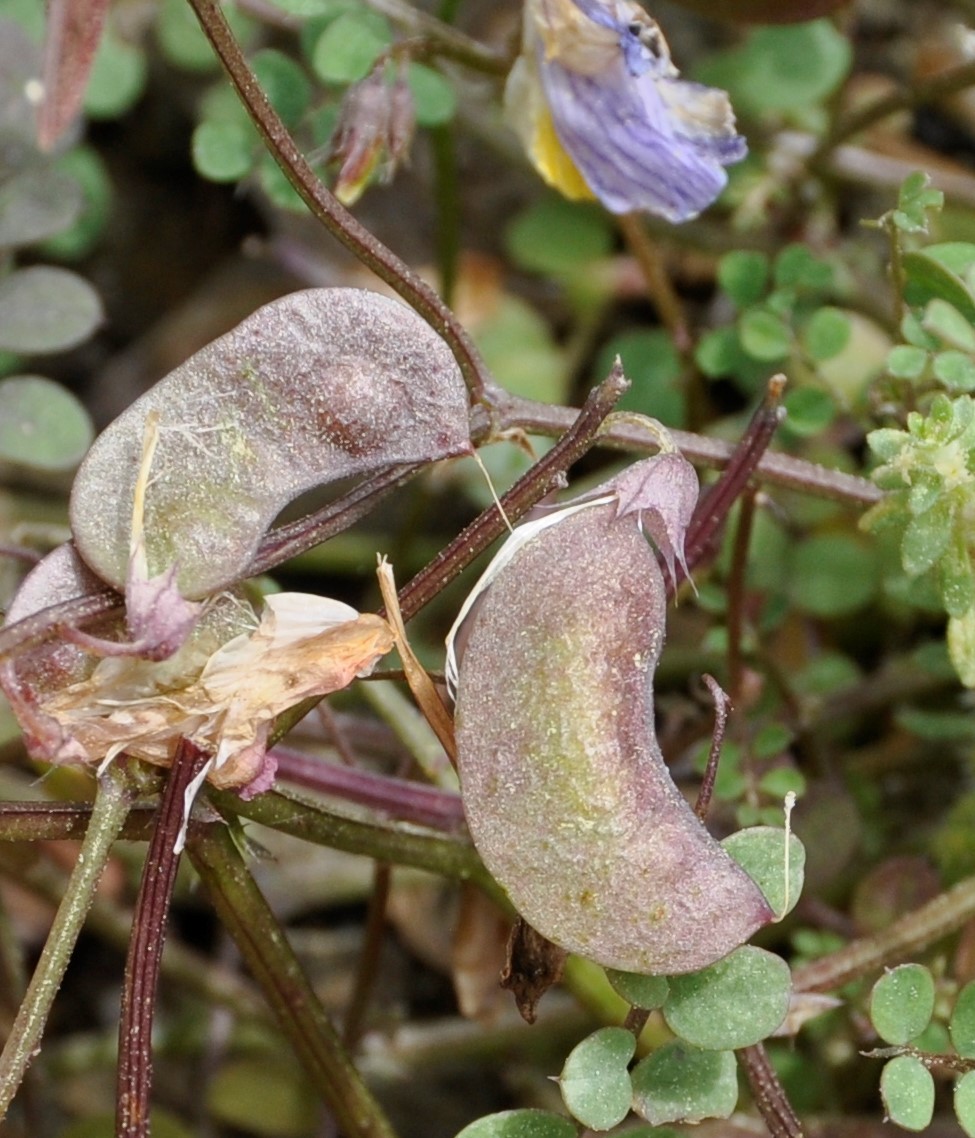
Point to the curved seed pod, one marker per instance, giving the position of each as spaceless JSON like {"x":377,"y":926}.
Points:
{"x":318,"y":386}
{"x":567,"y":795}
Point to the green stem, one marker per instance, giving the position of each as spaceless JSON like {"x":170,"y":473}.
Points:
{"x":304,"y":818}
{"x":334,"y":216}
{"x":265,"y":949}
{"x":112,"y":802}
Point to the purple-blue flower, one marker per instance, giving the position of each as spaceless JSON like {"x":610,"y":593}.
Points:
{"x":603,"y":113}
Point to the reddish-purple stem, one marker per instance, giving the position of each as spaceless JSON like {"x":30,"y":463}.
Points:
{"x":544,"y":476}
{"x":769,"y":1095}
{"x":705,"y":529}
{"x":722,"y":705}
{"x":145,"y":949}
{"x":396,"y":797}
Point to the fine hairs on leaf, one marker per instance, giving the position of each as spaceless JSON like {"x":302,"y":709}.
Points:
{"x":301,"y":398}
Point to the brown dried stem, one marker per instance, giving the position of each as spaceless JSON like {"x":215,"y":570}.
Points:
{"x":334,"y":216}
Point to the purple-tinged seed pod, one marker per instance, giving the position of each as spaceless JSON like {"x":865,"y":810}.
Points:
{"x":567,"y":795}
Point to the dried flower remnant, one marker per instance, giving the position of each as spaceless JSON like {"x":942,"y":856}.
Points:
{"x":223,"y":698}
{"x":567,"y":795}
{"x":602,"y":112}
{"x":374,"y":133}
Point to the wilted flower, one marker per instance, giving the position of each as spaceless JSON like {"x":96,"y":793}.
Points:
{"x":225,"y":701}
{"x":376,"y":125}
{"x":602,"y":113}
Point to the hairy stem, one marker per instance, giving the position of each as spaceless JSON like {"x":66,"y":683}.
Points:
{"x":112,"y":802}
{"x":540,"y":480}
{"x":291,"y":813}
{"x":775,"y":469}
{"x":144,"y":958}
{"x":41,"y":625}
{"x":769,"y":1095}
{"x":903,"y":938}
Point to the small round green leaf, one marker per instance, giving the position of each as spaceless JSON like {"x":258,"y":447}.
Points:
{"x":520,"y":1124}
{"x":827,"y":333}
{"x":962,"y":1022}
{"x":118,"y":78}
{"x":760,"y":851}
{"x":223,"y":151}
{"x":965,"y":1103}
{"x":653,"y":366}
{"x":42,"y":426}
{"x":642,"y":991}
{"x":434,"y":101}
{"x":349,"y":46}
{"x":84,"y":166}
{"x":907,"y":1088}
{"x":902,"y":1002}
{"x":764,"y":336}
{"x":797,"y":267}
{"x":595,"y":1082}
{"x":558,"y":236}
{"x":44,"y":309}
{"x":832,"y":575}
{"x":955,"y":369}
{"x":781,"y":69}
{"x":809,"y":411}
{"x":907,"y":361}
{"x":737,"y":1002}
{"x":744,"y":274}
{"x":943,"y":320}
{"x":181,"y":40}
{"x":36,"y":203}
{"x":677,"y":1083}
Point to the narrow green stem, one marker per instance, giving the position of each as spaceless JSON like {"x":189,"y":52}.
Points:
{"x":265,"y":949}
{"x":334,"y":216}
{"x":897,"y":277}
{"x":292,"y":813}
{"x":113,"y":800}
{"x":908,"y":935}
